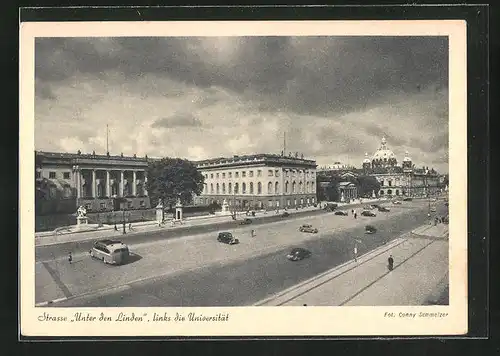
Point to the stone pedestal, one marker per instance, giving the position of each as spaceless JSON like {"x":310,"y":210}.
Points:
{"x":178,"y":211}
{"x":373,"y":194}
{"x":159,"y":213}
{"x":82,"y":221}
{"x":342,"y":198}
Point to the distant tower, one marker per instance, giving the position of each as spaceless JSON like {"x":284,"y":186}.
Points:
{"x":407,"y":163}
{"x":366,"y":163}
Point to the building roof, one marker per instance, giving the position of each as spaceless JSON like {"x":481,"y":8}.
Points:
{"x":266,"y":157}
{"x":66,"y":155}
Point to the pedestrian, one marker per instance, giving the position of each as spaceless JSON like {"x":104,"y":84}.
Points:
{"x":70,"y":258}
{"x":129,"y":226}
{"x":252,"y":233}
{"x":390,"y":262}
{"x":352,"y":211}
{"x":355,"y":214}
{"x":116,"y":228}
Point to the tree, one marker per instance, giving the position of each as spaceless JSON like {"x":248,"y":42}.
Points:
{"x":332,"y":191}
{"x":367,"y":184}
{"x":170,"y":179}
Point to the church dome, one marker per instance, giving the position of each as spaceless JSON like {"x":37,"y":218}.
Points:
{"x":366,"y":160}
{"x":407,"y":157}
{"x":383,"y":153}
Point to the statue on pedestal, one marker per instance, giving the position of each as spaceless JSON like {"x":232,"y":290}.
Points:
{"x":81,"y":212}
{"x":342,"y":198}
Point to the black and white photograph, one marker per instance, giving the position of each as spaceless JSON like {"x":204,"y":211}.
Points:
{"x":203,"y":172}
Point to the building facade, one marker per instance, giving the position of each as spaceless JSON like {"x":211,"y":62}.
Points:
{"x":262,"y":181}
{"x":68,"y":180}
{"x":395,"y":179}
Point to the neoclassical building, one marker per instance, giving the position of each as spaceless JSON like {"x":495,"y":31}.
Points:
{"x":404,"y":179}
{"x":69,"y":180}
{"x":261,"y":181}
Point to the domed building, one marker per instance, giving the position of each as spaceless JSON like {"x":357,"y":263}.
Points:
{"x":399,"y":180}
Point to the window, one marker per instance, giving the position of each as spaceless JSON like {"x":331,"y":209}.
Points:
{"x":301,"y":187}
{"x":397,"y":191}
{"x":52,"y":175}
{"x":307,"y":188}
{"x":276,"y":186}
{"x":223,"y":188}
{"x":205,"y":188}
{"x":211,"y":188}
{"x":217,"y":175}
{"x":229,"y":188}
{"x":294,"y":185}
{"x":206,"y":176}
{"x":230,"y":175}
{"x":243,"y":188}
{"x":217,"y":188}
{"x":103,"y":205}
{"x":38,"y":175}
{"x":243,"y":174}
{"x":286,"y":187}
{"x":66,"y":175}
{"x":390,"y":183}
{"x":251,"y":187}
{"x":211,"y":176}
{"x":223,"y":175}
{"x":294,"y":173}
{"x":269,"y":188}
{"x":259,"y":188}
{"x":270,"y":173}
{"x":277,"y":173}
{"x":389,"y":191}
{"x":382,"y":183}
{"x":236,"y":175}
{"x":250,"y":174}
{"x":236,"y":188}
{"x":259,"y":173}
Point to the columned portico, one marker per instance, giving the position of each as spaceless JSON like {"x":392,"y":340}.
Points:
{"x":121,"y":183}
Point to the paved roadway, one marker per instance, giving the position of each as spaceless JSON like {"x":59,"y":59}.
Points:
{"x":254,"y":277}
{"x":51,"y":252}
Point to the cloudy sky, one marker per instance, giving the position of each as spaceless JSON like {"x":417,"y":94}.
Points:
{"x":206,"y":97}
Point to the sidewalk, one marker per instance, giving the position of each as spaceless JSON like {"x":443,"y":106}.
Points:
{"x":420,"y":267}
{"x":58,"y":236}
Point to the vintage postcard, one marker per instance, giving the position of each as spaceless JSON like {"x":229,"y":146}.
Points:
{"x":277,"y":178}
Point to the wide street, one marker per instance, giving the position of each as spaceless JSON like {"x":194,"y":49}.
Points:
{"x":196,"y":270}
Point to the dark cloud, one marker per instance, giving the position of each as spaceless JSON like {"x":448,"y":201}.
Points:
{"x":380,"y":130}
{"x":177,"y":120}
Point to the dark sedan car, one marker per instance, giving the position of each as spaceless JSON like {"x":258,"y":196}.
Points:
{"x":343,"y":213}
{"x":383,"y":209}
{"x":227,"y":238}
{"x":308,"y":228}
{"x":285,"y":215}
{"x":407,"y":199}
{"x":298,"y":254}
{"x":369,"y":229}
{"x":246,"y":222}
{"x":368,"y":213}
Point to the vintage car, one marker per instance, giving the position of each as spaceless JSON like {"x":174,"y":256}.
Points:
{"x":397,"y":202}
{"x":341,"y":212}
{"x":408,"y":199}
{"x":285,"y":215}
{"x":246,"y":221}
{"x":330,"y":207}
{"x":374,"y":206}
{"x":308,"y":228}
{"x":383,"y":209}
{"x":368,"y":213}
{"x":227,"y":238}
{"x":298,"y":254}
{"x":369,"y":229}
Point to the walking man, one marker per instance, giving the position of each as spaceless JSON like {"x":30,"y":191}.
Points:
{"x":70,"y":258}
{"x":252,"y":233}
{"x":355,"y":214}
{"x":390,"y":262}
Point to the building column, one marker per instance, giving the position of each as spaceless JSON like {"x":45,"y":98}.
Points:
{"x":134,"y":182}
{"x":108,"y":186}
{"x":121,"y":184}
{"x":78,"y":181}
{"x":145,"y":180}
{"x":93,"y":184}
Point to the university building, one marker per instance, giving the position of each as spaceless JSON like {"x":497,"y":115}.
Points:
{"x":66,"y":181}
{"x":261,"y":181}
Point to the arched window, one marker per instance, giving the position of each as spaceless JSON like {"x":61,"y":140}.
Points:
{"x":217,"y":188}
{"x":211,"y":188}
{"x":312,"y":188}
{"x":223,"y":188}
{"x":229,"y":188}
{"x":269,"y":188}
{"x":276,"y":188}
{"x":286,"y":187}
{"x":389,"y":191}
{"x":381,"y":192}
{"x":236,"y":188}
{"x":294,"y":187}
{"x":308,"y":188}
{"x":301,"y":187}
{"x":251,"y":187}
{"x":243,"y":188}
{"x":397,"y":191}
{"x":259,"y":188}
